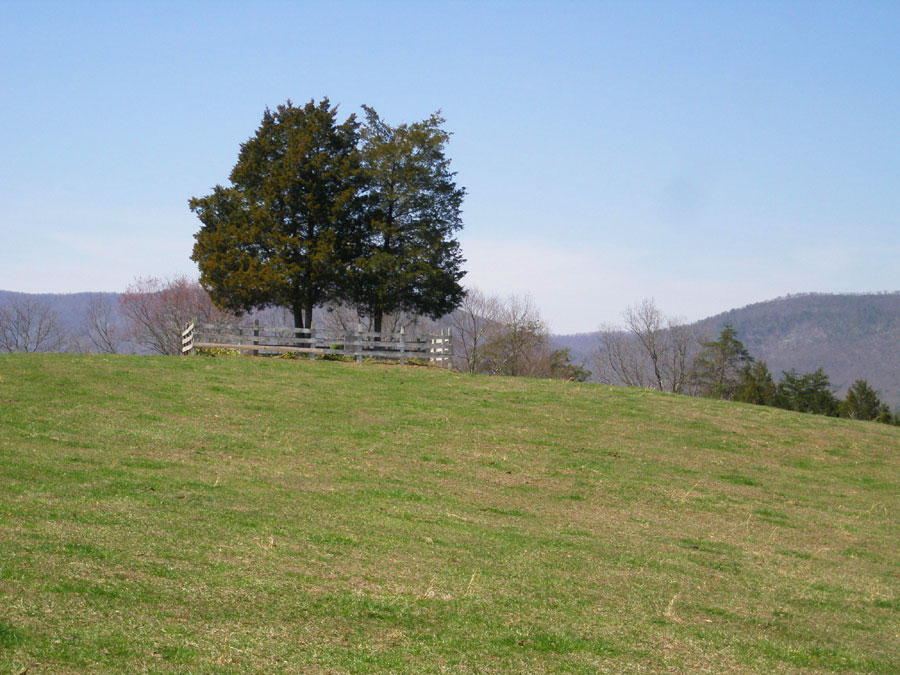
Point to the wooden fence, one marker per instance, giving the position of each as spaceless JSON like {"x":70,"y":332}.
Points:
{"x":256,"y":339}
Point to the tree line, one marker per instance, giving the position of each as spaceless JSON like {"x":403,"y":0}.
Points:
{"x":491,"y":335}
{"x":659,"y":352}
{"x":147,"y":318}
{"x":357,"y":220}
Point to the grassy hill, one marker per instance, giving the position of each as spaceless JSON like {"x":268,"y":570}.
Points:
{"x":246,"y":515}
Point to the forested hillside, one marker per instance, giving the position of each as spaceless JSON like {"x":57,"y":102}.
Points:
{"x":851,"y":336}
{"x":71,"y":308}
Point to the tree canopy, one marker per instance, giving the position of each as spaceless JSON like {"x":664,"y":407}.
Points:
{"x":807,"y":392}
{"x":325,"y":211}
{"x":862,"y":403}
{"x":720,"y":363}
{"x":756,"y":385}
{"x":408,"y":259}
{"x":276,"y":236}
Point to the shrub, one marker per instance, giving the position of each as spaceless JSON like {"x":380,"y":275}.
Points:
{"x":217,"y":351}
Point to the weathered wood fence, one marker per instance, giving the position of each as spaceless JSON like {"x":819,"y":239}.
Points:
{"x":256,"y":339}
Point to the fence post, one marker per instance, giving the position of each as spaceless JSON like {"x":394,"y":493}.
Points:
{"x":448,"y":350}
{"x":255,"y":336}
{"x":357,"y":346}
{"x":187,"y":339}
{"x":312,"y":343}
{"x":402,"y":346}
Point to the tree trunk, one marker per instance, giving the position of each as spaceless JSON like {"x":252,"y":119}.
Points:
{"x":377,"y":317}
{"x":309,"y":311}
{"x":297,"y":309}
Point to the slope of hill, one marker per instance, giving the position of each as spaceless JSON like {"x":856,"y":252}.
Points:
{"x":851,"y":336}
{"x":256,"y":515}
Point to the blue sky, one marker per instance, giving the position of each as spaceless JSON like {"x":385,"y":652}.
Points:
{"x":707,"y":155}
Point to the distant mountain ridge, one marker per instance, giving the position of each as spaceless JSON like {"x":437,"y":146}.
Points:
{"x":71,"y":308}
{"x":71,"y":313}
{"x":851,"y":336}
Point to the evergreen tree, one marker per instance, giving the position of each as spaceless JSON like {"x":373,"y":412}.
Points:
{"x":862,"y":402}
{"x":407,"y":260}
{"x":810,"y":392}
{"x":885,"y":416}
{"x":282,"y":233}
{"x":756,"y":385}
{"x":718,"y":368}
{"x":561,"y":367}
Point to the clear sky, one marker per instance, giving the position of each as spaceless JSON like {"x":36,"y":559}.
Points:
{"x":705,"y":154}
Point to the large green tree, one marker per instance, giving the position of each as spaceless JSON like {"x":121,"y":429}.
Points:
{"x":807,"y":392}
{"x":408,"y":259}
{"x":862,"y":402}
{"x":756,"y":385}
{"x":719,"y":365}
{"x":282,"y":233}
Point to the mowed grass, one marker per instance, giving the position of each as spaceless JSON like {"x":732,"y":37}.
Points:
{"x":255,"y":515}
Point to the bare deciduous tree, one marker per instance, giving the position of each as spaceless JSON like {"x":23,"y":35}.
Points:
{"x":473,"y":324}
{"x":508,"y":336}
{"x":519,"y":344}
{"x":646,"y":323}
{"x":29,"y":324}
{"x":619,"y":359}
{"x":341,"y":317}
{"x":101,"y":327}
{"x":682,"y":347}
{"x":346,"y":318}
{"x":157,"y":310}
{"x":653,"y":351}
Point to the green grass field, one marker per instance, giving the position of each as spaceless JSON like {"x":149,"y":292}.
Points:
{"x":260,"y":515}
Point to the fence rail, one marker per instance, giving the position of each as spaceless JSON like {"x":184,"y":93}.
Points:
{"x":256,"y":339}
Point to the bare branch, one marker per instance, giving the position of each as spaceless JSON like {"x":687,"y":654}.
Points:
{"x":157,"y":311}
{"x":645,"y":322}
{"x":474,"y":322}
{"x":102,"y":329}
{"x":29,"y":324}
{"x":652,"y":351}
